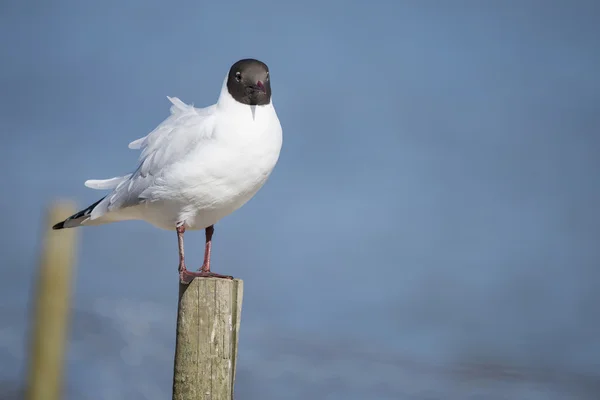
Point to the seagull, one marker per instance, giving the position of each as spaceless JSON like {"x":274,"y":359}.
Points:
{"x":198,"y":165}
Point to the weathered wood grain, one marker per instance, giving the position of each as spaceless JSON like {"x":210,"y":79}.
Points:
{"x":208,"y":323}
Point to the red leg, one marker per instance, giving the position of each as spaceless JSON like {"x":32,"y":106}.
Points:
{"x":180,"y":232}
{"x":187,"y":276}
{"x":206,"y":264}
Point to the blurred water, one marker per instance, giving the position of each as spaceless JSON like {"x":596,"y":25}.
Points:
{"x":429,"y":233}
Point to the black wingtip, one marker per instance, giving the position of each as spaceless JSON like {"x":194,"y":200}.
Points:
{"x":60,"y":225}
{"x":76,"y":216}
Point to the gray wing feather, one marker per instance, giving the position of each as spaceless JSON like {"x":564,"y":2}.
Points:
{"x":169,"y":142}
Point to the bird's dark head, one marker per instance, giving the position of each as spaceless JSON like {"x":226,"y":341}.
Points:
{"x":249,"y":82}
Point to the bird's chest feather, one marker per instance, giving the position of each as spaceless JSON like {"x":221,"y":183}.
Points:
{"x":253,"y":157}
{"x":238,"y":163}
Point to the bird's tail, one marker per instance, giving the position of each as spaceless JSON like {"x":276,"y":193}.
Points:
{"x":78,"y":218}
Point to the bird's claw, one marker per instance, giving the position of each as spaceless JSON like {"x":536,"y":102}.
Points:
{"x":186,"y":277}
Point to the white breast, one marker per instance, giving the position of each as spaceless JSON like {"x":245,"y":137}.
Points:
{"x":222,"y":176}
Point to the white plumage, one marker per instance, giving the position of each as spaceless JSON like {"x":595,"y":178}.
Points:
{"x":196,"y":167}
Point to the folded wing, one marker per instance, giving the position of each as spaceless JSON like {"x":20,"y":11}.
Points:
{"x":185,"y":129}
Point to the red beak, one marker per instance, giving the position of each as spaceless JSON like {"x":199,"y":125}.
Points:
{"x":260,"y":85}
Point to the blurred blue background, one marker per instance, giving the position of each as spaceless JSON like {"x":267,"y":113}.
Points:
{"x":430,"y":231}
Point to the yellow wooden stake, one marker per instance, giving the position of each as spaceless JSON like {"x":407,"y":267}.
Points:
{"x":49,"y":332}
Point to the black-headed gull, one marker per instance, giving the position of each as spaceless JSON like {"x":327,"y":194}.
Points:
{"x":199,"y":165}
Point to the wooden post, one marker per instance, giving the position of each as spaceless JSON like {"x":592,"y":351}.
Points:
{"x":208,"y":323}
{"x":52,"y":308}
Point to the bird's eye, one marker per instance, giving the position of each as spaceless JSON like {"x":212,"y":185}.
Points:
{"x":267,"y":75}
{"x":238,"y":76}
